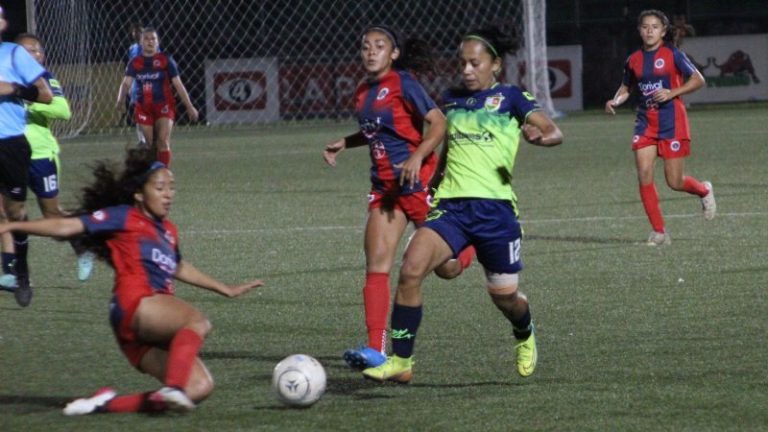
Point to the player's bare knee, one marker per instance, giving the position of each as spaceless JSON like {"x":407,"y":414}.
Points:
{"x":199,"y":387}
{"x":449,"y":269}
{"x":200,"y":325}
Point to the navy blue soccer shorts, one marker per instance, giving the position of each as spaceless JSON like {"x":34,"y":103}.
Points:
{"x":44,"y":177}
{"x":491,"y":226}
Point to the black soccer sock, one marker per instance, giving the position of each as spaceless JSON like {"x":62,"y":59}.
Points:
{"x":522,"y":327}
{"x":405,"y":324}
{"x":9,"y":260}
{"x":21,"y":242}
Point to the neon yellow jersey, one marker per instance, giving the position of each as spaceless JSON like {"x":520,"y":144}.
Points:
{"x":483,"y":136}
{"x":39,"y":116}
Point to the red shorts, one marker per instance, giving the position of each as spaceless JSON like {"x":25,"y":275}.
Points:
{"x":122,"y":308}
{"x":415,"y":205}
{"x":665,"y":148}
{"x":146,"y":115}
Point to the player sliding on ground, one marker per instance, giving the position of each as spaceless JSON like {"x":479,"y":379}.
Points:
{"x":127,"y":225}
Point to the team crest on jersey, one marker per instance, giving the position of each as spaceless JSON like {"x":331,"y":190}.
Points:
{"x":99,"y":216}
{"x":471,"y":101}
{"x":382,"y":93}
{"x":659,"y":63}
{"x":492,"y":103}
{"x":156,"y":63}
{"x":369,"y":127}
{"x":169,"y":238}
{"x":674,"y":146}
{"x":636,"y":138}
{"x":378,"y":150}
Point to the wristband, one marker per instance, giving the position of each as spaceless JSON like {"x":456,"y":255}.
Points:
{"x":29,"y":93}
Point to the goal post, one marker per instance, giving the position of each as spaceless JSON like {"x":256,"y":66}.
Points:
{"x":246,"y":62}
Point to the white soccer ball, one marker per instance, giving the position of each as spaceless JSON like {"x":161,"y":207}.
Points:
{"x":298,"y":380}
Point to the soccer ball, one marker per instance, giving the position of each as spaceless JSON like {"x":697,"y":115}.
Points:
{"x":298,"y":380}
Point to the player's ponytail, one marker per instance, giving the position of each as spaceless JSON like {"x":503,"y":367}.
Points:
{"x":496,"y":41}
{"x":110,"y":187}
{"x":415,"y":54}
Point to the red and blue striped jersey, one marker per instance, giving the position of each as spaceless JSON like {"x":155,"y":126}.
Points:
{"x":390,"y":112}
{"x":153,"y":76}
{"x":666,"y":67}
{"x":144,"y":251}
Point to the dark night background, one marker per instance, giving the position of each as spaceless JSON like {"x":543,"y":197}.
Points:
{"x":605,"y":29}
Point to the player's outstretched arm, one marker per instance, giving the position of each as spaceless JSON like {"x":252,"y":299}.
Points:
{"x":182,"y":91}
{"x":333,"y":149}
{"x":55,"y":227}
{"x":188,"y":273}
{"x":540,"y":130}
{"x":125,"y":87}
{"x":622,"y":94}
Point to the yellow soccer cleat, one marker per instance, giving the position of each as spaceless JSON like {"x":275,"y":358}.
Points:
{"x":526,"y":355}
{"x":397,"y":369}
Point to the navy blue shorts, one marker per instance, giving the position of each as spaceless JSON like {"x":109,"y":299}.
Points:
{"x":491,"y":226}
{"x":44,"y":177}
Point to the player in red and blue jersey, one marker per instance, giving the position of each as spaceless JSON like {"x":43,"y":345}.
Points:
{"x":127,"y":224}
{"x":392,"y":108}
{"x":661,"y":74}
{"x":155,"y":107}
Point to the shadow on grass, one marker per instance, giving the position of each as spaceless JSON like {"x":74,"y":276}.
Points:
{"x":31,"y":403}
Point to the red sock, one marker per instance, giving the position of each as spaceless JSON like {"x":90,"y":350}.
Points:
{"x":182,"y":354}
{"x":376,"y":299}
{"x":466,"y":256}
{"x":695,"y":187}
{"x":164,"y":156}
{"x":651,"y":203}
{"x":137,"y":402}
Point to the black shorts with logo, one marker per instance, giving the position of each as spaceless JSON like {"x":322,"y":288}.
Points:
{"x":15,"y":156}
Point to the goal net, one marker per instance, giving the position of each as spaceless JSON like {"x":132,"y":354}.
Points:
{"x":246,"y":62}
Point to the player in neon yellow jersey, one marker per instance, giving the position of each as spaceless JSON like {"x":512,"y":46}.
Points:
{"x":44,"y":176}
{"x":475,"y":204}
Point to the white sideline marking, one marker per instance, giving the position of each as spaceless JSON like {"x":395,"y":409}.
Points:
{"x":523,"y":222}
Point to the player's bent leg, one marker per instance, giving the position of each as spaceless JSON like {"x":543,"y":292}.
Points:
{"x":503,"y":289}
{"x":199,"y":385}
{"x":426,"y":251}
{"x":455,"y":266}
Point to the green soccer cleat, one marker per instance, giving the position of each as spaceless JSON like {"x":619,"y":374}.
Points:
{"x":526,"y":355}
{"x":397,"y":369}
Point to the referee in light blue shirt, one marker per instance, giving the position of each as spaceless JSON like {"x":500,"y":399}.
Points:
{"x":20,"y":79}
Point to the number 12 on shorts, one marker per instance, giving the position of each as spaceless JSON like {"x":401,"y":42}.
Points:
{"x":514,"y":251}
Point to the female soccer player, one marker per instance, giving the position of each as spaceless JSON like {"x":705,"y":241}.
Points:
{"x":391,"y":110}
{"x":662,"y":74}
{"x":44,"y":178}
{"x":155,"y":108}
{"x":159,"y":333}
{"x":475,"y":202}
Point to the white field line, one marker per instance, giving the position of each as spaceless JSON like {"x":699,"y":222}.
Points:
{"x":523,"y":222}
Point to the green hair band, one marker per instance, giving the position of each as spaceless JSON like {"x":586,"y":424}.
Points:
{"x":484,"y":41}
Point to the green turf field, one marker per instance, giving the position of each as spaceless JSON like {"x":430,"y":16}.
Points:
{"x":630,"y":337}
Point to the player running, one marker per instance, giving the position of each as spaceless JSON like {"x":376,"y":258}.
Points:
{"x":475,"y":204}
{"x":662,"y":74}
{"x":155,"y":108}
{"x":127,"y":224}
{"x":392,"y":108}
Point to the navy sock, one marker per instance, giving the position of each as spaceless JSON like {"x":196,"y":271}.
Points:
{"x":521,"y":327}
{"x":9,"y":259}
{"x":405,"y":324}
{"x":20,"y":242}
